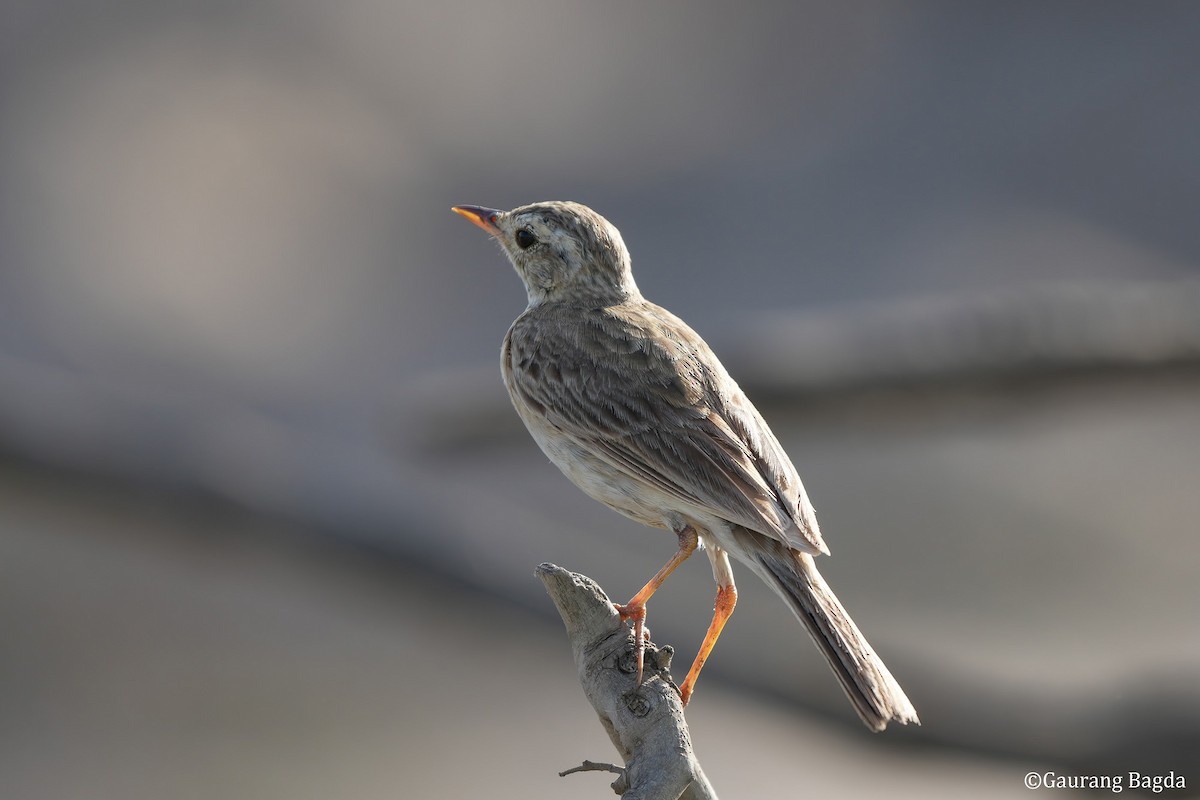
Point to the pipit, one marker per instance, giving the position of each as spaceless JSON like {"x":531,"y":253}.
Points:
{"x":633,"y":406}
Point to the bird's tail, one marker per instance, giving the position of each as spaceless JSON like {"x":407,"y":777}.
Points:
{"x":876,"y":696}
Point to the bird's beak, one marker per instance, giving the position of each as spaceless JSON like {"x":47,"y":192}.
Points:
{"x":483,"y":217}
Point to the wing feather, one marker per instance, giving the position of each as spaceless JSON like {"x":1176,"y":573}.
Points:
{"x":637,"y":387}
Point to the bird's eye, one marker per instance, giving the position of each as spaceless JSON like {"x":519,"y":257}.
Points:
{"x":525,"y":238}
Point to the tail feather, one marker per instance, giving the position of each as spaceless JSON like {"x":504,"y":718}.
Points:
{"x":875,"y":694}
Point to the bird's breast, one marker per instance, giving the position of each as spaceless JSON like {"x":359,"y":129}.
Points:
{"x":529,"y":362}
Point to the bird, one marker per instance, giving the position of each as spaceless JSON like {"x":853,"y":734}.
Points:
{"x":636,"y":410}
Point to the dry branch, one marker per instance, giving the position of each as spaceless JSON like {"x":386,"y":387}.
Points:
{"x":645,"y":722}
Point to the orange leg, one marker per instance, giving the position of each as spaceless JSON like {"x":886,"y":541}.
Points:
{"x":722,"y":609}
{"x":635,"y":609}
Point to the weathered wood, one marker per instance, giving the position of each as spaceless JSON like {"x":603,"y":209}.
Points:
{"x":645,"y":723}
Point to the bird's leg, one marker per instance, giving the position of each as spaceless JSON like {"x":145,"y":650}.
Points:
{"x":635,"y":609}
{"x":722,"y":609}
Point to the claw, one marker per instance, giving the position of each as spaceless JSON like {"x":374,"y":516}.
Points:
{"x":640,"y":633}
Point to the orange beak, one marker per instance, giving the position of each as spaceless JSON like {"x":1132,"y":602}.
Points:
{"x":483,"y":217}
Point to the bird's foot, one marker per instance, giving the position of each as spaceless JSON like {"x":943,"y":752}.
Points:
{"x":641,"y":634}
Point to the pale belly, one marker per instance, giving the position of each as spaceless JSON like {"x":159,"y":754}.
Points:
{"x":603,"y":482}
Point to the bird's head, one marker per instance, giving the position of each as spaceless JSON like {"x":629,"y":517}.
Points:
{"x":563,"y":251}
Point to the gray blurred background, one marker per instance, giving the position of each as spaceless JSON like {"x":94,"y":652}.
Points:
{"x":268,"y":525}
